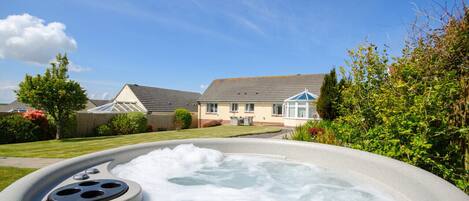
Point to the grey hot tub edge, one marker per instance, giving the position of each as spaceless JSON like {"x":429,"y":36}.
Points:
{"x":398,"y":179}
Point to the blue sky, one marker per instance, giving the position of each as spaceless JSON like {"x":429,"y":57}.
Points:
{"x":185,"y":44}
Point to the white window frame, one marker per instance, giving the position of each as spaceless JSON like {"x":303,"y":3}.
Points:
{"x":246,"y":108}
{"x":231,"y":107}
{"x":305,"y":106}
{"x":295,"y":105}
{"x":275,"y":107}
{"x":209,"y":108}
{"x":291,"y":105}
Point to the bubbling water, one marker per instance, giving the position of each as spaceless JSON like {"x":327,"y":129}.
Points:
{"x":190,"y":173}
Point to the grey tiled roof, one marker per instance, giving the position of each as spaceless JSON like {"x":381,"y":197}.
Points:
{"x":269,"y":88}
{"x":97,"y":102}
{"x":165,"y":100}
{"x":19,"y":105}
{"x":15,"y":105}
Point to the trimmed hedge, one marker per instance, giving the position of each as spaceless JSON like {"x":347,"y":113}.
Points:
{"x":129,"y":123}
{"x":15,"y":128}
{"x":182,"y":119}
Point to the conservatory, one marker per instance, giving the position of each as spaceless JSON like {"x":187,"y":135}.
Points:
{"x":118,"y":107}
{"x":300,"y":108}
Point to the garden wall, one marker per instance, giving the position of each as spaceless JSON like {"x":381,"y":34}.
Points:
{"x":87,"y":122}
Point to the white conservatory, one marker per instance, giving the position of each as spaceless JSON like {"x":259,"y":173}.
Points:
{"x":300,"y":108}
{"x":118,"y":107}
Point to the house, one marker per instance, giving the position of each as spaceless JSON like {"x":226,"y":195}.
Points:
{"x":272,"y":100}
{"x":150,"y":100}
{"x":17,"y":106}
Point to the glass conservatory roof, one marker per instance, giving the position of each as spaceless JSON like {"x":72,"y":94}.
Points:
{"x":303,"y":96}
{"x":117,"y":107}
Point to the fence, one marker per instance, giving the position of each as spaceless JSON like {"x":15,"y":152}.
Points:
{"x":2,"y":114}
{"x":87,"y":122}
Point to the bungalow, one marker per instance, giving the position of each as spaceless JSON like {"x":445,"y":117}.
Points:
{"x":273,"y":100}
{"x":150,"y":100}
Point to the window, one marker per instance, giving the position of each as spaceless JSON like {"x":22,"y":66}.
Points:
{"x":277,"y":109}
{"x":312,"y":111}
{"x":234,"y":107}
{"x":18,"y":110}
{"x":249,"y":107}
{"x":301,"y":110}
{"x":212,"y":108}
{"x":291,"y":110}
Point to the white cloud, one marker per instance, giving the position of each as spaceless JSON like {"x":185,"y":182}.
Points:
{"x":27,"y":38}
{"x":203,"y":86}
{"x":7,"y":93}
{"x":72,"y":67}
{"x":105,"y":96}
{"x":247,"y":24}
{"x":77,"y":68}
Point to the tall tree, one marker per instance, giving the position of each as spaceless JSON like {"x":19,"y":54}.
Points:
{"x":327,"y":101}
{"x":53,"y":93}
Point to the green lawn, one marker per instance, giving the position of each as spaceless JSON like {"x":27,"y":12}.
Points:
{"x":68,"y":148}
{"x":9,"y":175}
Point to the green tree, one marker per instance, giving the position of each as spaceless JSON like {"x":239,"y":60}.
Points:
{"x":329,"y":97}
{"x":53,"y":93}
{"x":415,"y":108}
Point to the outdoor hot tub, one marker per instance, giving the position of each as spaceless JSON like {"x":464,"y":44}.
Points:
{"x":117,"y":174}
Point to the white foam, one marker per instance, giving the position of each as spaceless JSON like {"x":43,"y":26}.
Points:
{"x":190,"y":173}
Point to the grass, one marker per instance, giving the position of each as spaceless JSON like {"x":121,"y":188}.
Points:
{"x":9,"y":175}
{"x":68,"y":148}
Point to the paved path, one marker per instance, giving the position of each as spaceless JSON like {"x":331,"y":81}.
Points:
{"x":276,"y":135}
{"x":27,"y":162}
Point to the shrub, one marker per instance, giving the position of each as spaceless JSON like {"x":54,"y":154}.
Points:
{"x":103,"y":130}
{"x":15,"y":128}
{"x":326,"y":136}
{"x":139,"y":122}
{"x":129,"y":123}
{"x":316,"y":131}
{"x":149,"y":128}
{"x":39,"y":118}
{"x":212,"y":123}
{"x":413,"y":108}
{"x":300,"y":133}
{"x":182,"y":119}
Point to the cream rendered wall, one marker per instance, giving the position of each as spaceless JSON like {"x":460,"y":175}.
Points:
{"x":291,"y":122}
{"x":127,"y":95}
{"x":262,"y":112}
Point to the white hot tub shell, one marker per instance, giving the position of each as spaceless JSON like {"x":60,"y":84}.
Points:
{"x":401,"y":181}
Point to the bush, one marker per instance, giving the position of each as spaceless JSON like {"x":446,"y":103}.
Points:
{"x":316,"y":131}
{"x":15,"y":128}
{"x":182,"y":119}
{"x":129,"y":123}
{"x":103,"y":130}
{"x":413,"y":108}
{"x":300,"y":133}
{"x":149,"y":128}
{"x":39,"y":118}
{"x":139,"y":122}
{"x":212,"y":123}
